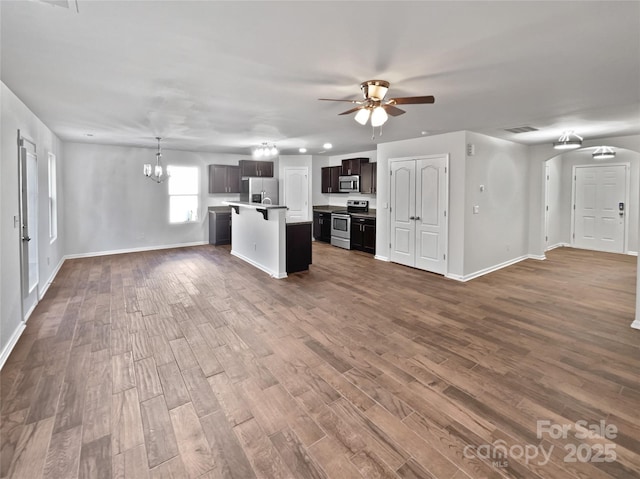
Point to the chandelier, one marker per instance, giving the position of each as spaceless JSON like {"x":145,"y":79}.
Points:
{"x":265,"y":150}
{"x":156,"y":174}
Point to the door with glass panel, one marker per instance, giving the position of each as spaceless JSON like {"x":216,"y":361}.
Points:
{"x":28,"y":177}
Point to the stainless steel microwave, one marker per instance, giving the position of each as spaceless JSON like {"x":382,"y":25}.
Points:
{"x":349,"y":184}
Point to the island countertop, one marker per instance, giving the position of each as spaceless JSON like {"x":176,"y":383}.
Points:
{"x":255,"y":206}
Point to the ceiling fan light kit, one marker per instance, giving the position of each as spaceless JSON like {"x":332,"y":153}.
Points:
{"x":374,"y":107}
{"x":568,"y":141}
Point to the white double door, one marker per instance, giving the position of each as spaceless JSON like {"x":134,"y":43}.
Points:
{"x":600,"y":208}
{"x":419,"y":201}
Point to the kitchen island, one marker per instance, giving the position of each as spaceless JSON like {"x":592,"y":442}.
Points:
{"x":259,"y":236}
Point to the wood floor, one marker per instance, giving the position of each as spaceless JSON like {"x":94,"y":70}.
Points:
{"x":191,"y":363}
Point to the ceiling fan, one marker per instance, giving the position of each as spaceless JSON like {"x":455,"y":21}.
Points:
{"x":374,"y":105}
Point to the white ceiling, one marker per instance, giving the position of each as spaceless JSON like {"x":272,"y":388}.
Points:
{"x":225,"y":76}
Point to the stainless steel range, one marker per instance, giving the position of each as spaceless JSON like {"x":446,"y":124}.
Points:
{"x":341,"y":223}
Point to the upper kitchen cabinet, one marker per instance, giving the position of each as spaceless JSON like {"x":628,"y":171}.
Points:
{"x":368,"y":178}
{"x":353,"y":166}
{"x":256,"y":168}
{"x":224,"y":179}
{"x":331,"y":179}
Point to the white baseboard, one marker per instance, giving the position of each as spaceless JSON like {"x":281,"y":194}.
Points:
{"x":134,"y":250}
{"x":273,"y":274}
{"x":51,"y":278}
{"x":482,"y":272}
{"x":632,"y":253}
{"x":636,"y":324}
{"x":11,"y":344}
{"x":558,"y":245}
{"x":539,"y":257}
{"x":381,"y":258}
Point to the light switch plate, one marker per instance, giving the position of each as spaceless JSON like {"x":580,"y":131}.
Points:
{"x":476,"y":209}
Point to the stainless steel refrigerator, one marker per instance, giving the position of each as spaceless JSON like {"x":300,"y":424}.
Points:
{"x":259,"y":190}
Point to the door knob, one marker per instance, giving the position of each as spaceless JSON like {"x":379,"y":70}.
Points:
{"x":412,"y":217}
{"x":26,"y":238}
{"x":417,"y":218}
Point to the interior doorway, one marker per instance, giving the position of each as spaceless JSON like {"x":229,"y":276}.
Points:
{"x":28,"y":186}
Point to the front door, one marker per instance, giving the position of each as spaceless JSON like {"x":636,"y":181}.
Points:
{"x":296,"y":194}
{"x":600,"y":207}
{"x":28,"y":177}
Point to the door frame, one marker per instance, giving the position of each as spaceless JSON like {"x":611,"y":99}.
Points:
{"x":627,"y":186}
{"x":446,"y":157}
{"x":25,"y":142}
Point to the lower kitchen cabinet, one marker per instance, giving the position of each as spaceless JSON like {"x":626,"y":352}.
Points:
{"x":219,"y":227}
{"x":363,"y":234}
{"x":322,"y":226}
{"x":298,"y":246}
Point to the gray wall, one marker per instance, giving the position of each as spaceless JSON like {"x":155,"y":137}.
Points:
{"x":14,"y":116}
{"x":111,"y":206}
{"x":498,"y":233}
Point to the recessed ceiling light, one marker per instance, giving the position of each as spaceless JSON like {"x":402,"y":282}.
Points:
{"x":89,"y":134}
{"x":327,"y":146}
{"x":423,"y":132}
{"x":302,"y":150}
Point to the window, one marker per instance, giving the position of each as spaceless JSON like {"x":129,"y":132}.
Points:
{"x":183,"y":193}
{"x":53,"y":203}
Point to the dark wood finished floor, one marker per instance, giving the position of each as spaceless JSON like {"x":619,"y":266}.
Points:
{"x":191,"y":363}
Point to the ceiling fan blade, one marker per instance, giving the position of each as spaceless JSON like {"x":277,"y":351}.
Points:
{"x":350,"y":111}
{"x":411,"y":100}
{"x":333,"y":99}
{"x":393,"y":111}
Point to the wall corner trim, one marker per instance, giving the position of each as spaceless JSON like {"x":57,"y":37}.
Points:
{"x":636,"y":324}
{"x":539,"y":257}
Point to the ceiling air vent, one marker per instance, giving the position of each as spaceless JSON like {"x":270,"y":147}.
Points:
{"x":521,"y":129}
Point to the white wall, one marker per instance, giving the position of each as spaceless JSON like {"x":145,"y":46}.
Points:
{"x":15,"y":116}
{"x":452,"y":144}
{"x":339,"y":199}
{"x":111,"y":206}
{"x":292,"y":161}
{"x":498,"y":233}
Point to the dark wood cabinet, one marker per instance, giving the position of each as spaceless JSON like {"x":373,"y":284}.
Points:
{"x":224,"y":179}
{"x":219,"y":227}
{"x":368,"y":178}
{"x":322,"y":226}
{"x":363,"y":234}
{"x":256,"y":168}
{"x":353,"y":166}
{"x":331,"y":179}
{"x":298,"y":247}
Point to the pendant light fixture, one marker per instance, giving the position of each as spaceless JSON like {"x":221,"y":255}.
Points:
{"x":265,"y":150}
{"x":156,"y":174}
{"x":568,"y":141}
{"x":604,"y":153}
